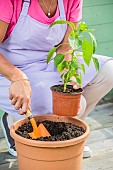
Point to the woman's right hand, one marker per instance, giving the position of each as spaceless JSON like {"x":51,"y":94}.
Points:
{"x":19,"y":91}
{"x":20,"y":94}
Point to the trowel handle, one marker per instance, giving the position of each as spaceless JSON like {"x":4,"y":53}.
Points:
{"x":29,"y":114}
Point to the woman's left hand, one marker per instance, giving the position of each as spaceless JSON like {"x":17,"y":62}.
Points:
{"x":74,"y":83}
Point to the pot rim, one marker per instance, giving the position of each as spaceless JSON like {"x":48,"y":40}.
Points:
{"x":49,"y":144}
{"x":69,"y":94}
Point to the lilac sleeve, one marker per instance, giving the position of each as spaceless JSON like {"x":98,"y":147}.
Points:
{"x":76,"y":11}
{"x":6,"y":10}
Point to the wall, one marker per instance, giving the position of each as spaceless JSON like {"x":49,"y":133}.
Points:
{"x":99,"y":15}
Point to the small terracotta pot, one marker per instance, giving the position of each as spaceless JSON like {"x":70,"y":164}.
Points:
{"x":57,"y":155}
{"x":66,"y":104}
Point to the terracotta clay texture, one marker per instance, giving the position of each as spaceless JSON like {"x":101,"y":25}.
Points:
{"x":41,"y":155}
{"x":66,"y":104}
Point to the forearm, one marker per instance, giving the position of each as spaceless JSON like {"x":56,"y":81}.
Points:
{"x":9,"y":71}
{"x":65,"y":48}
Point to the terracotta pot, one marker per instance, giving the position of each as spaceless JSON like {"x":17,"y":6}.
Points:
{"x":66,"y":104}
{"x":57,"y":155}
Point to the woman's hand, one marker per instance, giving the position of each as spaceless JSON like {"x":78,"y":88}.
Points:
{"x":74,"y":84}
{"x":20,"y":94}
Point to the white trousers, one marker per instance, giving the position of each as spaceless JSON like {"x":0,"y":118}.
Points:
{"x":97,"y":89}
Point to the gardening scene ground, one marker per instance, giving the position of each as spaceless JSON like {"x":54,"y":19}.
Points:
{"x":100,"y":140}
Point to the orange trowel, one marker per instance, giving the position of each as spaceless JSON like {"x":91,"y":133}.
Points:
{"x":37,"y":131}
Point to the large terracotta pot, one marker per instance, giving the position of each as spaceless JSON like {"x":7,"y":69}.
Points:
{"x":66,"y":104}
{"x":44,"y":155}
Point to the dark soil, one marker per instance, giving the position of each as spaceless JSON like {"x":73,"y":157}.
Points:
{"x":59,"y":88}
{"x":59,"y":131}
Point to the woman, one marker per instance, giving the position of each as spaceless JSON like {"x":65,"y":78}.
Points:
{"x":25,"y":78}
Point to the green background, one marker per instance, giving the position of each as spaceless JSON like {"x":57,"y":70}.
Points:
{"x":98,"y":14}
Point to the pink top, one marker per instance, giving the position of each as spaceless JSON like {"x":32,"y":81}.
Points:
{"x":10,"y":11}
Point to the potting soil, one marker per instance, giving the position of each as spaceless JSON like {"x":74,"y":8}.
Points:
{"x":69,"y":89}
{"x":59,"y":131}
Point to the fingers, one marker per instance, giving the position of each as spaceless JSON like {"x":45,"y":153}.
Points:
{"x":23,"y":109}
{"x":76,"y":86}
{"x":10,"y":96}
{"x":13,"y":101}
{"x":22,"y":104}
{"x":17,"y":104}
{"x":20,"y":94}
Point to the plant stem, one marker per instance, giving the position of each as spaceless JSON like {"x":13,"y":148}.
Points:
{"x":65,"y":84}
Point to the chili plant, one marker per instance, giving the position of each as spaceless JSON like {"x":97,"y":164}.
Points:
{"x":83,"y":44}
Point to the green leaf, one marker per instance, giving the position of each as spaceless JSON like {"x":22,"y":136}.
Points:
{"x":62,"y":76}
{"x":72,"y":25}
{"x":62,"y":66}
{"x":83,"y":26}
{"x":65,"y":77}
{"x":78,"y":81}
{"x":64,"y":22}
{"x":50,"y":54}
{"x":58,"y":22}
{"x":74,"y":65}
{"x":87,"y":50}
{"x":74,"y":42}
{"x":58,"y":59}
{"x":78,"y":43}
{"x":70,"y":80}
{"x":71,"y":40}
{"x":96,"y":63}
{"x":94,"y":42}
{"x":78,"y":78}
{"x":71,"y":74}
{"x":83,"y":68}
